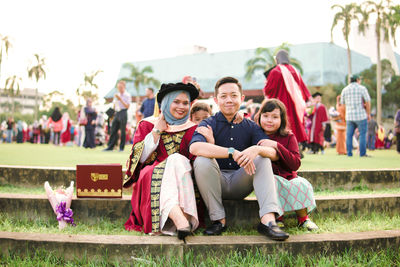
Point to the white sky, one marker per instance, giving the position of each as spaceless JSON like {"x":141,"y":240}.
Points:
{"x":83,"y":36}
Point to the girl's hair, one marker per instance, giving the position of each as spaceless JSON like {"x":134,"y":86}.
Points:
{"x":269,"y":105}
{"x":200,"y":106}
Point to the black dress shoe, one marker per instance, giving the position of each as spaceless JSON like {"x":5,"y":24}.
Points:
{"x":184,"y":232}
{"x":272,"y":231}
{"x":215,"y":229}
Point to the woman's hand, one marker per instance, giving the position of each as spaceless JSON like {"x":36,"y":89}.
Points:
{"x":207,"y":132}
{"x":268,"y":143}
{"x":161,"y":123}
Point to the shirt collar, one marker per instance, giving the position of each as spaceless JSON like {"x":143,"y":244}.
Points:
{"x":220,"y":117}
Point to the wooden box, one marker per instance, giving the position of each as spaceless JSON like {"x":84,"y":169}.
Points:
{"x":100,"y":181}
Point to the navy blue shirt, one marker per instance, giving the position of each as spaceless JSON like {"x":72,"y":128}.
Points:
{"x":227,"y":134}
{"x":147,"y":107}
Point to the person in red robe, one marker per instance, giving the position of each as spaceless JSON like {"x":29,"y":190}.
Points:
{"x":319,"y":118}
{"x":159,"y":167}
{"x":285,"y":83}
{"x":66,"y":131}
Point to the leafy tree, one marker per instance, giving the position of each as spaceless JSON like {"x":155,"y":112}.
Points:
{"x":85,"y":90}
{"x":386,"y":24}
{"x":37,"y":71}
{"x":369,"y":79}
{"x":347,"y":14}
{"x":12,"y":89}
{"x":5,"y":44}
{"x":140,"y":77}
{"x":264,"y":59}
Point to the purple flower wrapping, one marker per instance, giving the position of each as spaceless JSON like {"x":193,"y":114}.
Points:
{"x":64,"y":214}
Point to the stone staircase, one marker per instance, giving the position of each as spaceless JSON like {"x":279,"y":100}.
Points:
{"x":242,"y":213}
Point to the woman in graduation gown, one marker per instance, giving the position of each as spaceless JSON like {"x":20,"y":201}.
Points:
{"x":159,"y":167}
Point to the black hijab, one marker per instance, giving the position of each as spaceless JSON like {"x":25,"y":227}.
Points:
{"x":56,"y":115}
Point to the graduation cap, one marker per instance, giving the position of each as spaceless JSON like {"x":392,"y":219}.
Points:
{"x":171,"y":87}
{"x":316,"y":94}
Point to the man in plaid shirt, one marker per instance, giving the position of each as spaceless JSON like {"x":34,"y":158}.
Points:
{"x":357,"y":101}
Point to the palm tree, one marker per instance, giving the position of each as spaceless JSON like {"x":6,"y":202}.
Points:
{"x":386,"y":24}
{"x":264,"y":60}
{"x":140,"y":77}
{"x":89,"y":82}
{"x":5,"y":44}
{"x":12,"y":89}
{"x":37,"y":71}
{"x":347,"y":14}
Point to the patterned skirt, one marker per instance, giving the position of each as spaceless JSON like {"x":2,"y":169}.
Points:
{"x":295,"y":194}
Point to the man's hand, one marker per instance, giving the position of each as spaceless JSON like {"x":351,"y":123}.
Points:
{"x":118,"y":96}
{"x":207,"y":132}
{"x":245,"y":159}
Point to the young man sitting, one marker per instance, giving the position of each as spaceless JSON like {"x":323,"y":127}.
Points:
{"x":234,"y":166}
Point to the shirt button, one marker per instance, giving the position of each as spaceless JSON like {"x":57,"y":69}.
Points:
{"x":230,"y":163}
{"x":231,"y":138}
{"x":232,"y":126}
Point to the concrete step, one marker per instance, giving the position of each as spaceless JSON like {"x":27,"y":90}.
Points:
{"x":127,"y":249}
{"x":242,"y":212}
{"x":327,"y":179}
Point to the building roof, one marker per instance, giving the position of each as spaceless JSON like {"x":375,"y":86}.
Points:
{"x":322,"y":63}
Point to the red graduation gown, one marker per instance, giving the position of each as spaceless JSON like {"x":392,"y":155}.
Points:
{"x":275,"y":88}
{"x":319,"y":118}
{"x":142,"y":176}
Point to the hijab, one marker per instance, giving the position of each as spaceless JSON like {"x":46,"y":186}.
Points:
{"x":166,"y":105}
{"x":282,"y":57}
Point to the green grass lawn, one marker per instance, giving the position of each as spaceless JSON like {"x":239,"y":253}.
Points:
{"x":50,"y":155}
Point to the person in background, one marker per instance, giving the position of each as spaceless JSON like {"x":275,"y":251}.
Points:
{"x":55,"y":122}
{"x":357,"y":102}
{"x":20,"y":129}
{"x":371,"y":132}
{"x":200,"y":111}
{"x":193,"y":80}
{"x":122,"y":101}
{"x":284,"y":82}
{"x":10,"y":129}
{"x":66,"y":131}
{"x":90,"y":126}
{"x":147,"y":108}
{"x":319,"y":119}
{"x":340,"y":127}
{"x":397,"y":130}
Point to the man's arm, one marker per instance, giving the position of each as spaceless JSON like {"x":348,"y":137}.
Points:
{"x":368,"y":109}
{"x":208,"y":150}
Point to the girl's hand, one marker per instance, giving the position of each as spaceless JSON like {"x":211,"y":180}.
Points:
{"x":207,"y":132}
{"x":239,"y":117}
{"x":268,"y":142}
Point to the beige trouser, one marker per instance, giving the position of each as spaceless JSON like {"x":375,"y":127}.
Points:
{"x":215,"y":184}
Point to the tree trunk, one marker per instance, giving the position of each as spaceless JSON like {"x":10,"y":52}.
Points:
{"x":378,"y":82}
{"x":348,"y":62}
{"x":36,"y":104}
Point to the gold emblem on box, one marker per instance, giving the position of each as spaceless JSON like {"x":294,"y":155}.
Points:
{"x":98,"y":176}
{"x":99,"y":192}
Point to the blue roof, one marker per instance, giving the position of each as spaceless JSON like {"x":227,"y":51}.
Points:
{"x":322,"y":63}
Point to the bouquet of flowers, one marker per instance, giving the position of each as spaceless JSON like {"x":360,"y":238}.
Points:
{"x":60,"y":201}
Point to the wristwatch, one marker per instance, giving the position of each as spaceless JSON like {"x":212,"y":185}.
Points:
{"x":156,"y":131}
{"x":231,"y":150}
